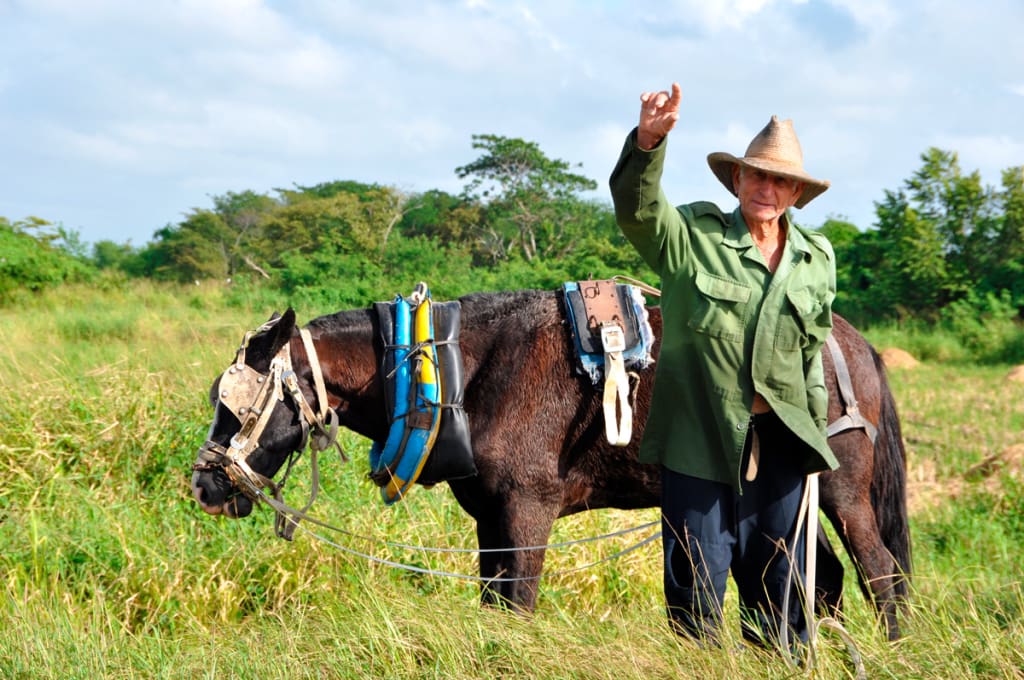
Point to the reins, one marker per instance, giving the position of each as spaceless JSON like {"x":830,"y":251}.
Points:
{"x":293,"y":516}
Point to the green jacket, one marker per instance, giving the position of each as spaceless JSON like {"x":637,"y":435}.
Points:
{"x":730,"y":326}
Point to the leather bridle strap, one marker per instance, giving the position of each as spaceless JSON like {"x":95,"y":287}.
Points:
{"x":326,"y":421}
{"x":247,"y":438}
{"x":325,"y":424}
{"x":280,"y":379}
{"x":852,"y":418}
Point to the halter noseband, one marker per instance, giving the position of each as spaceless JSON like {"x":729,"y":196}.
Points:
{"x":251,"y":397}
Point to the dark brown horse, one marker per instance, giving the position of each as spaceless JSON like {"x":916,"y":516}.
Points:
{"x":538,"y":440}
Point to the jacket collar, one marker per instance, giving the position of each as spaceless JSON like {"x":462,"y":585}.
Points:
{"x":737,"y":235}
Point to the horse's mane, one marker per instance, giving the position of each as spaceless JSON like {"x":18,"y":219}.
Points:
{"x":518,"y":306}
{"x":498,"y":312}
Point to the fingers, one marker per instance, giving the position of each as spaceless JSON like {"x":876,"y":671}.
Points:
{"x":659,"y":112}
{"x":652,"y":102}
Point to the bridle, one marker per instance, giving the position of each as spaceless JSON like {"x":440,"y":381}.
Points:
{"x":251,"y":396}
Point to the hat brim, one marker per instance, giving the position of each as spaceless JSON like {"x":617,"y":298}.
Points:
{"x":722,"y":163}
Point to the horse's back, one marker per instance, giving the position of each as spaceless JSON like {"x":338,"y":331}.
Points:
{"x":536,"y":418}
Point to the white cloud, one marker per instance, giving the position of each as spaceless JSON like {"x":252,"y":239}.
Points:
{"x":874,"y":15}
{"x":990,"y":155}
{"x":720,"y":14}
{"x":212,"y":96}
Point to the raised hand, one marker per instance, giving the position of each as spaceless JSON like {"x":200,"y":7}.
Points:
{"x":659,"y":112}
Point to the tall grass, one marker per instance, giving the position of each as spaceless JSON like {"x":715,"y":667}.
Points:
{"x":111,"y":571}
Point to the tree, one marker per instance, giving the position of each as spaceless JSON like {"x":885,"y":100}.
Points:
{"x":530,"y":199}
{"x":960,"y":208}
{"x":353,"y":219}
{"x":935,"y":236}
{"x":912,"y":273}
{"x":857,"y":261}
{"x":1007,"y":270}
{"x":451,"y":220}
{"x":30,"y":260}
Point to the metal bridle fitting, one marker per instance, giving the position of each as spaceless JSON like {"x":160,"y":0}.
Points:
{"x":251,"y":396}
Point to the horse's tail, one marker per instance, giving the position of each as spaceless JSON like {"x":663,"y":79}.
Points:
{"x":889,"y":484}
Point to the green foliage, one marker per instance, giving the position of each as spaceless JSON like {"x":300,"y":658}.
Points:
{"x":1006,"y":271}
{"x":941,"y":238}
{"x":987,"y":326}
{"x":30,"y":262}
{"x":531,"y":200}
{"x":942,"y":247}
{"x":108,"y":255}
{"x":439,"y":215}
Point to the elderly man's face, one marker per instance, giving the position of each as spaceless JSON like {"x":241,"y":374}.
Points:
{"x":764,"y":197}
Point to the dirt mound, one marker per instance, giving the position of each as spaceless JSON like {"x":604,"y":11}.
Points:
{"x":893,"y":357}
{"x":1016,"y":374}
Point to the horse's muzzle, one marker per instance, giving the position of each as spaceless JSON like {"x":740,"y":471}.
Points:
{"x":216,"y":493}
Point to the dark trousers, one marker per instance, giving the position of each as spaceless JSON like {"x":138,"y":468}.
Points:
{"x":708,"y":528}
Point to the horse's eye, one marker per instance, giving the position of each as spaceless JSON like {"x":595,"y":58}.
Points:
{"x":213,"y":392}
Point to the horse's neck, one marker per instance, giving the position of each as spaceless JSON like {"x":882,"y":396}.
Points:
{"x":350,"y":362}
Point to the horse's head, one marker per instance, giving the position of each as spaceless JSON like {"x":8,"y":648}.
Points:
{"x":260,"y":419}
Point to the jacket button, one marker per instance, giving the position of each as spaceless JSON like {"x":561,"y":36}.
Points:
{"x":742,"y":425}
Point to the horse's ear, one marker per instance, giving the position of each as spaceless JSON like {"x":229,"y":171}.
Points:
{"x":283,"y":330}
{"x":266,"y":344}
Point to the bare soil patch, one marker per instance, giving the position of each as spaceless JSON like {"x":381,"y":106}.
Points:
{"x":894,"y":357}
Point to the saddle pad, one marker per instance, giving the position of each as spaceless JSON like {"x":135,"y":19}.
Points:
{"x":639,"y":335}
{"x":590,"y":337}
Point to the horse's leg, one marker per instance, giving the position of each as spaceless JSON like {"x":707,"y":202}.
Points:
{"x":488,"y":536}
{"x":509,"y":550}
{"x":828,"y":578}
{"x":846,"y":501}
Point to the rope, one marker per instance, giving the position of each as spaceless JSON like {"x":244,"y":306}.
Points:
{"x":291,"y":515}
{"x":647,"y":288}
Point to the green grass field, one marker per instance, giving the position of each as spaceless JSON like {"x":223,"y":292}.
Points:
{"x":110,"y":570}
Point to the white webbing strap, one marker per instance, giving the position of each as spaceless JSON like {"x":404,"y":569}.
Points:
{"x":809,"y":513}
{"x":618,"y":415}
{"x":811,"y":557}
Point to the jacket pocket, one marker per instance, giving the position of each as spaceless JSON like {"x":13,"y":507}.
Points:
{"x":721,"y":307}
{"x":797,"y":320}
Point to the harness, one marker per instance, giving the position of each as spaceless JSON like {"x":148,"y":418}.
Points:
{"x":396,"y":463}
{"x":852,"y":418}
{"x":251,"y":396}
{"x":428,"y":439}
{"x":611,"y":332}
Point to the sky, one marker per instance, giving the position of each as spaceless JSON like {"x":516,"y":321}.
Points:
{"x":119,"y":117}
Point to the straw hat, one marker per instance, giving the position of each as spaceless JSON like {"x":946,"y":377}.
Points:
{"x":775,"y":150}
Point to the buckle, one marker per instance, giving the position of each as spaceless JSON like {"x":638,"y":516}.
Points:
{"x":613,"y":339}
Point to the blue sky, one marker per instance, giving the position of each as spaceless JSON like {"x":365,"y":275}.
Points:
{"x":118,"y":117}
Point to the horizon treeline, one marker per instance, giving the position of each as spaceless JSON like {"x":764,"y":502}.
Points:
{"x":944,"y":247}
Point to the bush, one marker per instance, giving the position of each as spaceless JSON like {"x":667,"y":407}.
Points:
{"x":986,"y":325}
{"x":32,"y":263}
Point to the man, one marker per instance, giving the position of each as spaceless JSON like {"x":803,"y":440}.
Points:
{"x":738,"y":416}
